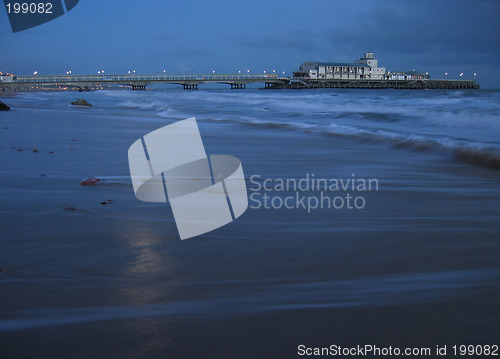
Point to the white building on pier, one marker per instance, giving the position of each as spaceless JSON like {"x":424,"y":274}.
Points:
{"x":364,"y":68}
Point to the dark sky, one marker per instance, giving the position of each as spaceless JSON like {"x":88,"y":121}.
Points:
{"x":200,"y":36}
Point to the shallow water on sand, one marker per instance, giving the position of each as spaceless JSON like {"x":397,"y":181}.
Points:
{"x":417,"y":265}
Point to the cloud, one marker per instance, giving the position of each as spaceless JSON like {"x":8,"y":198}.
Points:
{"x":430,"y":33}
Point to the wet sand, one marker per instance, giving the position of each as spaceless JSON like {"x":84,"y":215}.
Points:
{"x":417,"y":267}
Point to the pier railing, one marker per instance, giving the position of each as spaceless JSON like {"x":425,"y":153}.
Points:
{"x":147,"y":78}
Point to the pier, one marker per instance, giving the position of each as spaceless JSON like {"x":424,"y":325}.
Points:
{"x":139,"y":82}
{"x":191,"y":82}
{"x":420,"y":84}
{"x":365,"y":73}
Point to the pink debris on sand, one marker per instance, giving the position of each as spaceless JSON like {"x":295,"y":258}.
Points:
{"x":91,"y":181}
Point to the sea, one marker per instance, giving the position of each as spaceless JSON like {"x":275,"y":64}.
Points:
{"x":373,"y":221}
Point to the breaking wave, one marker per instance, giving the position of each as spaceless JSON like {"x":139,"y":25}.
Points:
{"x":474,"y":153}
{"x":143,"y":105}
{"x":482,"y":154}
{"x":458,"y":124}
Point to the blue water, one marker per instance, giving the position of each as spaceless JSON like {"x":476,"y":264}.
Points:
{"x":465,"y":124}
{"x":417,"y":266}
{"x":437,"y":120}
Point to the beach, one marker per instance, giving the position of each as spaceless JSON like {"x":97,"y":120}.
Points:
{"x":90,"y":271}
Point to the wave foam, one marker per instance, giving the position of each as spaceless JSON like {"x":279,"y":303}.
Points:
{"x":142,"y":105}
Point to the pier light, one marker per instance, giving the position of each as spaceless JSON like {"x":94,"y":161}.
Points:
{"x":461,"y":74}
{"x":264,"y":71}
{"x":239,"y":71}
{"x":129,"y":72}
{"x":274,"y":70}
{"x":34,"y":73}
{"x":213,"y":71}
{"x":133,"y":71}
{"x":475,"y":74}
{"x":283,"y":72}
{"x":164,"y":71}
{"x":248,"y":71}
{"x":97,"y":72}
